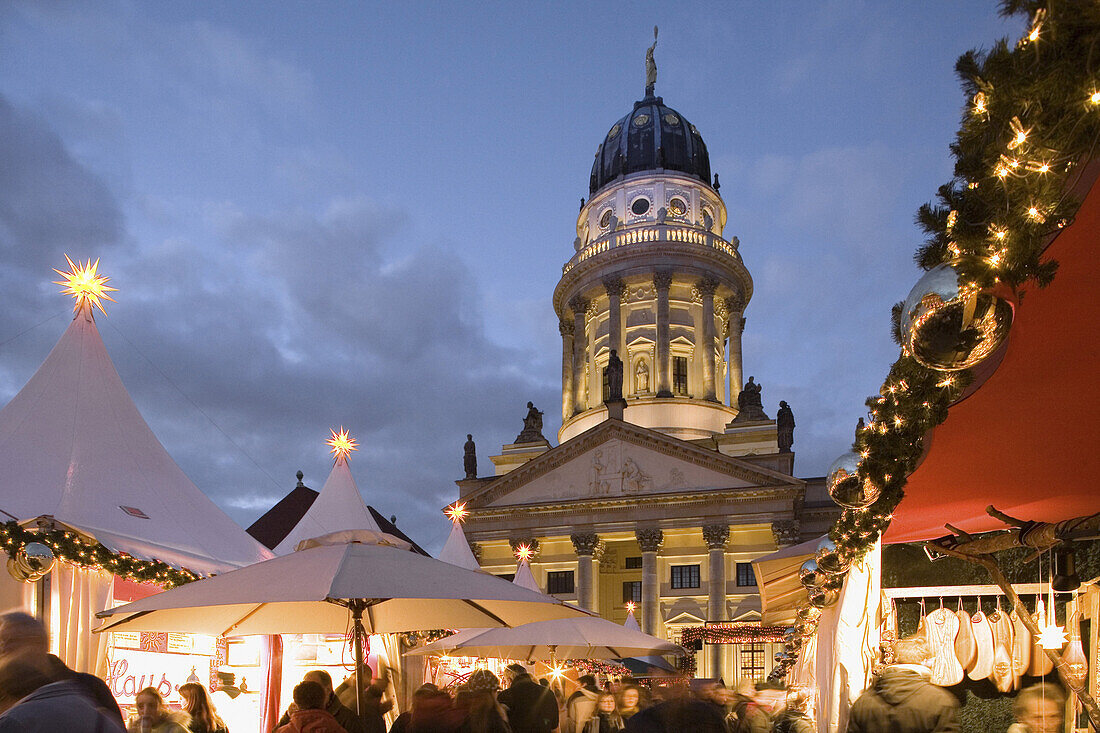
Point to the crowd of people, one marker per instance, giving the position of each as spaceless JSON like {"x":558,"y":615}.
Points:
{"x":39,"y":693}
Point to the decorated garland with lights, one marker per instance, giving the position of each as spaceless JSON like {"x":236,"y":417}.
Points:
{"x":732,"y":633}
{"x":71,"y":548}
{"x":1031,"y":122}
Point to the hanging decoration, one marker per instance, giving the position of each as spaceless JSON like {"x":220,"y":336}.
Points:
{"x":951,"y":323}
{"x":810,"y":574}
{"x":70,"y":547}
{"x":30,"y":562}
{"x":845,"y":486}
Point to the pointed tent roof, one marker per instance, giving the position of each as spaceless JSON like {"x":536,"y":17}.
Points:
{"x":525,"y":578}
{"x":73,"y":445}
{"x":631,"y":622}
{"x":457,"y":550}
{"x":339,"y":506}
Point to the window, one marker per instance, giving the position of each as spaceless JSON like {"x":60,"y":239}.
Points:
{"x":559,"y":582}
{"x":745,"y":575}
{"x":685,"y":576}
{"x":752,"y":661}
{"x":680,"y":375}
{"x":632,"y":591}
{"x":605,"y":219}
{"x":677,"y":206}
{"x":640,"y":205}
{"x":633,"y":563}
{"x":508,"y":576}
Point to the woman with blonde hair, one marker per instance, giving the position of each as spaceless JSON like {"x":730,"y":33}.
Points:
{"x":197,"y":703}
{"x":605,"y":718}
{"x":155,"y":717}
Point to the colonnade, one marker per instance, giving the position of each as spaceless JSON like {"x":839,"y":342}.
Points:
{"x":575,"y":341}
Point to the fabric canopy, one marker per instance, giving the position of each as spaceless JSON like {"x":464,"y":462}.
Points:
{"x":1025,"y":440}
{"x":457,"y":550}
{"x":74,"y":446}
{"x":302,"y":592}
{"x":589,"y":637}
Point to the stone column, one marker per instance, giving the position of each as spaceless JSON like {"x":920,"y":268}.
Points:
{"x":736,"y":306}
{"x":662,"y":281}
{"x":615,"y":289}
{"x":580,"y":345}
{"x":716,"y":536}
{"x":585,"y":544}
{"x":565,"y":328}
{"x":649,"y":540}
{"x":707,"y":288}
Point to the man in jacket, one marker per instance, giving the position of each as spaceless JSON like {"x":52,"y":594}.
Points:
{"x":332,"y":705}
{"x":902,"y":700}
{"x":32,"y":704}
{"x":308,"y":715}
{"x":532,"y":708}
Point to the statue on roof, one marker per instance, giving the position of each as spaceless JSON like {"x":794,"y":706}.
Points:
{"x":651,"y":67}
{"x":749,"y":405}
{"x":469,"y":458}
{"x":784,"y":422}
{"x":532,"y":426}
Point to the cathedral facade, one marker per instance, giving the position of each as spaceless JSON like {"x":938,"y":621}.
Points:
{"x":669,"y":477}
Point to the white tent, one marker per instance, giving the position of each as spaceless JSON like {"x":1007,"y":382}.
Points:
{"x":74,"y":446}
{"x":457,"y":550}
{"x":525,"y":578}
{"x":339,"y":507}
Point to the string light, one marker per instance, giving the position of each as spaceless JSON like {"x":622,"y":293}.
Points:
{"x":979,"y":103}
{"x":1094,"y":98}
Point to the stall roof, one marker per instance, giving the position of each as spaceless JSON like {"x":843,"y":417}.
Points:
{"x":1026,"y":439}
{"x":781,"y":590}
{"x":74,"y":446}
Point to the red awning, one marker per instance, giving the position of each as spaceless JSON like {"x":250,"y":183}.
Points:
{"x":1026,"y":441}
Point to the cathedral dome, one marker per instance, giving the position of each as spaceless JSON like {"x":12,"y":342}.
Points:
{"x":653,"y":136}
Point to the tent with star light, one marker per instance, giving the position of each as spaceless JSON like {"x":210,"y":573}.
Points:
{"x":983,"y":437}
{"x":87,"y":482}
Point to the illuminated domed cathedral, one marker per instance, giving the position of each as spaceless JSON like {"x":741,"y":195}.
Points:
{"x":669,"y":475}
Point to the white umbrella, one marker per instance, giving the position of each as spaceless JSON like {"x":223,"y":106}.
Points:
{"x":384,"y":587}
{"x":588,"y":637}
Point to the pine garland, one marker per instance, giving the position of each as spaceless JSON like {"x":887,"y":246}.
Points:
{"x":71,"y":548}
{"x":1030,"y":123}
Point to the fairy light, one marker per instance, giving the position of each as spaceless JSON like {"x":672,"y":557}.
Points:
{"x":1094,"y":98}
{"x":979,"y":103}
{"x":1034,"y":214}
{"x":1019,"y":134}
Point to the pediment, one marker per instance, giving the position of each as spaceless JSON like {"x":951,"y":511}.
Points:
{"x":617,"y":460}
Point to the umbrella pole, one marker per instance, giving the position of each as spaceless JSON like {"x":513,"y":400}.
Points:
{"x":357,"y":608}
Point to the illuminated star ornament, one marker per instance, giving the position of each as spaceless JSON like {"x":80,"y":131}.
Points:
{"x":1052,"y":637}
{"x":630,"y":606}
{"x":524,"y":553}
{"x":342,"y":444}
{"x":85,"y":285}
{"x":457,"y":512}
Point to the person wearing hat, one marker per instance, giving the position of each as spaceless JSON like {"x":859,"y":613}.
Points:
{"x":532,"y":708}
{"x":477,"y":697}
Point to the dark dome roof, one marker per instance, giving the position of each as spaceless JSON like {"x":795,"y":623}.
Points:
{"x":652,"y":136}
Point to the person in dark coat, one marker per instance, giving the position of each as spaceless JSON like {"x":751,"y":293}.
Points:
{"x":794,"y":718}
{"x":757,"y":714}
{"x":477,"y":699}
{"x":532,"y":708}
{"x":31,"y":703}
{"x":681,"y":712}
{"x":22,"y":633}
{"x":345,"y":717}
{"x":902,"y":699}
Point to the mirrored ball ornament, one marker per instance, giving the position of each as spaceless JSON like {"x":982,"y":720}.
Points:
{"x":810,"y":575}
{"x":950,"y":324}
{"x":823,"y":598}
{"x":829,"y":560}
{"x":31,"y":562}
{"x":845,"y":486}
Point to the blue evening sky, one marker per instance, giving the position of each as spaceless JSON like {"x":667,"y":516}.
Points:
{"x":354,"y":213}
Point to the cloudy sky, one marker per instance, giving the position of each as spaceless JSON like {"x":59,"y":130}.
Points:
{"x":340,"y":213}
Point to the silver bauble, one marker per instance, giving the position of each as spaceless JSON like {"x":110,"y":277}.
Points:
{"x":823,"y":598}
{"x":31,"y":562}
{"x":828,"y":559}
{"x":779,"y":657}
{"x":948,"y":324}
{"x":810,"y":575}
{"x":844,"y":484}
{"x":807,"y":613}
